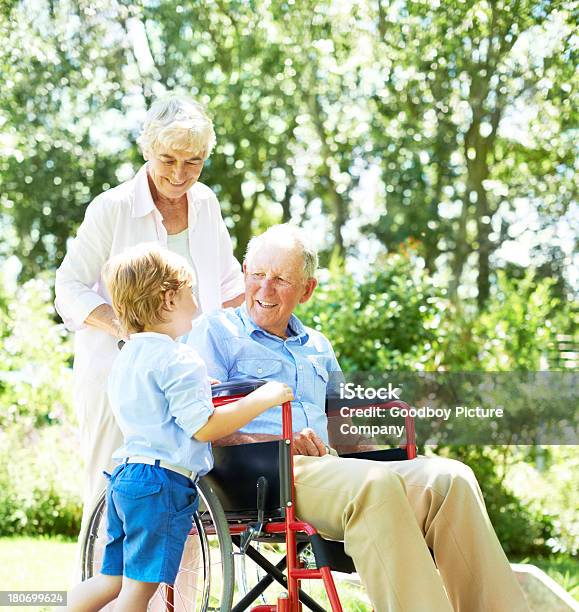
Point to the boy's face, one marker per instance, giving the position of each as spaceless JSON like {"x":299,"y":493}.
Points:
{"x":185,"y":309}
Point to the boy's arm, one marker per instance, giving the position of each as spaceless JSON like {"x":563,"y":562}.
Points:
{"x":229,"y":418}
{"x":186,"y":388}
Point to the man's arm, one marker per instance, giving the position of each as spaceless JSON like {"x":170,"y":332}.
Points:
{"x":306,"y":442}
{"x":240,"y":438}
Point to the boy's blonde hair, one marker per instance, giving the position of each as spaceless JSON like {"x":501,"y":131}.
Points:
{"x":137,"y":280}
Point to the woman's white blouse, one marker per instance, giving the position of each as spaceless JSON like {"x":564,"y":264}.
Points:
{"x":123,"y":217}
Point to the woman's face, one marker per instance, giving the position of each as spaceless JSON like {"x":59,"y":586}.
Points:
{"x":174,"y":172}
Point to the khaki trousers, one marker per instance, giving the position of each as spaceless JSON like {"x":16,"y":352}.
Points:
{"x":389,"y":514}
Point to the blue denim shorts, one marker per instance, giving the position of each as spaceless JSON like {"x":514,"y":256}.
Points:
{"x":149,"y":515}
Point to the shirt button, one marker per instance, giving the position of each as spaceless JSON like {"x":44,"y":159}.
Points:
{"x":301,"y":367}
{"x":259,"y":370}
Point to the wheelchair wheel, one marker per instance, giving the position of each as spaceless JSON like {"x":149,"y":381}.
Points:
{"x":205,"y":581}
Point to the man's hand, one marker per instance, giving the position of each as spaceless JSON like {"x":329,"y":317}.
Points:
{"x":214,"y":381}
{"x":308,"y":443}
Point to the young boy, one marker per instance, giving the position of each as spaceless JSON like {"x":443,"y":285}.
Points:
{"x":161,"y":397}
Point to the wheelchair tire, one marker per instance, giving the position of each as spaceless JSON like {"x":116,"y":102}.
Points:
{"x":209,"y":538}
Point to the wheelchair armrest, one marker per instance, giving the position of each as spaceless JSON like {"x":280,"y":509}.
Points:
{"x":236,"y":387}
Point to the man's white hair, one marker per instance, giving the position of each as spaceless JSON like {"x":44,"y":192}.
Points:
{"x":286,"y":234}
{"x":177,"y":122}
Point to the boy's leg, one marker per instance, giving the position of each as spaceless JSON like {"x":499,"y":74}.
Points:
{"x":135,"y":595}
{"x":94,"y":593}
{"x":100,"y":436}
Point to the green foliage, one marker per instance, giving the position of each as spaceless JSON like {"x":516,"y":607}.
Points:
{"x":388,"y":321}
{"x":545,"y":480}
{"x":40,"y":482}
{"x":458,"y":115}
{"x":521,"y":529}
{"x":35,"y":359}
{"x":514,"y":332}
{"x":396,"y":318}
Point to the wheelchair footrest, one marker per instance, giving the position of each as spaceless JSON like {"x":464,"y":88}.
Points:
{"x":331,"y":554}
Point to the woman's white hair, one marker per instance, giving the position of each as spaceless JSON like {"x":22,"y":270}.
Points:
{"x":286,"y":234}
{"x":177,"y":122}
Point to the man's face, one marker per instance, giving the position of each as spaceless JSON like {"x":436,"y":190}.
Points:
{"x":275,"y":285}
{"x":174,"y":172}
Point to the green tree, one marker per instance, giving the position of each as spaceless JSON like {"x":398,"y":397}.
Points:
{"x":453,"y":77}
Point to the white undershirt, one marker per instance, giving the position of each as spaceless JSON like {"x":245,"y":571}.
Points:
{"x":179,"y":244}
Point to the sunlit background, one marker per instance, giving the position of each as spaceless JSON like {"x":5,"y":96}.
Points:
{"x":430,"y":148}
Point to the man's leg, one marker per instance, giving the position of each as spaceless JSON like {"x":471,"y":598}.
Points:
{"x":365,"y":505}
{"x":449,"y":507}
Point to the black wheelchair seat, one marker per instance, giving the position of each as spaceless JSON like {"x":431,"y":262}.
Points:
{"x":235,"y":474}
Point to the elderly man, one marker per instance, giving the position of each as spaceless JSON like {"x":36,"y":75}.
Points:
{"x":388,"y":514}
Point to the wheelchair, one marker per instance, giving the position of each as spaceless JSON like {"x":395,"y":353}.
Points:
{"x":246,"y":501}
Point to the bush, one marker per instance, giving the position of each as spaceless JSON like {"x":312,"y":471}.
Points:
{"x":40,"y":483}
{"x":523,"y":530}
{"x":396,"y":318}
{"x":514,"y":332}
{"x":389,"y":321}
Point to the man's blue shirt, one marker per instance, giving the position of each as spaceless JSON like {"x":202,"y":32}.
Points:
{"x":160,"y":395}
{"x":235,"y":348}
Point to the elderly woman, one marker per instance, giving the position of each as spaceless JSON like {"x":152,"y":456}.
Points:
{"x":163,"y":203}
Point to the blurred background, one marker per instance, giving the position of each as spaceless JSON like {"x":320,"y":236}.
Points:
{"x":430,"y":148}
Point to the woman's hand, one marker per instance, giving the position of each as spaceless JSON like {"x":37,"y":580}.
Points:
{"x":103,"y":317}
{"x":119,"y":331}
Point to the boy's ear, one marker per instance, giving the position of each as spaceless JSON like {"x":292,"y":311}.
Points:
{"x":169,"y":299}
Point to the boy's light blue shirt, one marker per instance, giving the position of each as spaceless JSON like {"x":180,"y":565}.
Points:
{"x":235,"y":348}
{"x":160,"y":395}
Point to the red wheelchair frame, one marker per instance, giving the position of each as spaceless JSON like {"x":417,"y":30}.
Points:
{"x":290,"y":526}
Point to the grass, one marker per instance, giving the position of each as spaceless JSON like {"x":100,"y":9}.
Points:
{"x":28,"y":563}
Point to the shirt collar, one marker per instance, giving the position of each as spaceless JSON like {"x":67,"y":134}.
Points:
{"x":156,"y":335}
{"x":142,"y":200}
{"x":296,"y":327}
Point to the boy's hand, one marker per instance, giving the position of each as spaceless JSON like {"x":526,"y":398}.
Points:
{"x":272,"y":394}
{"x":214,"y":381}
